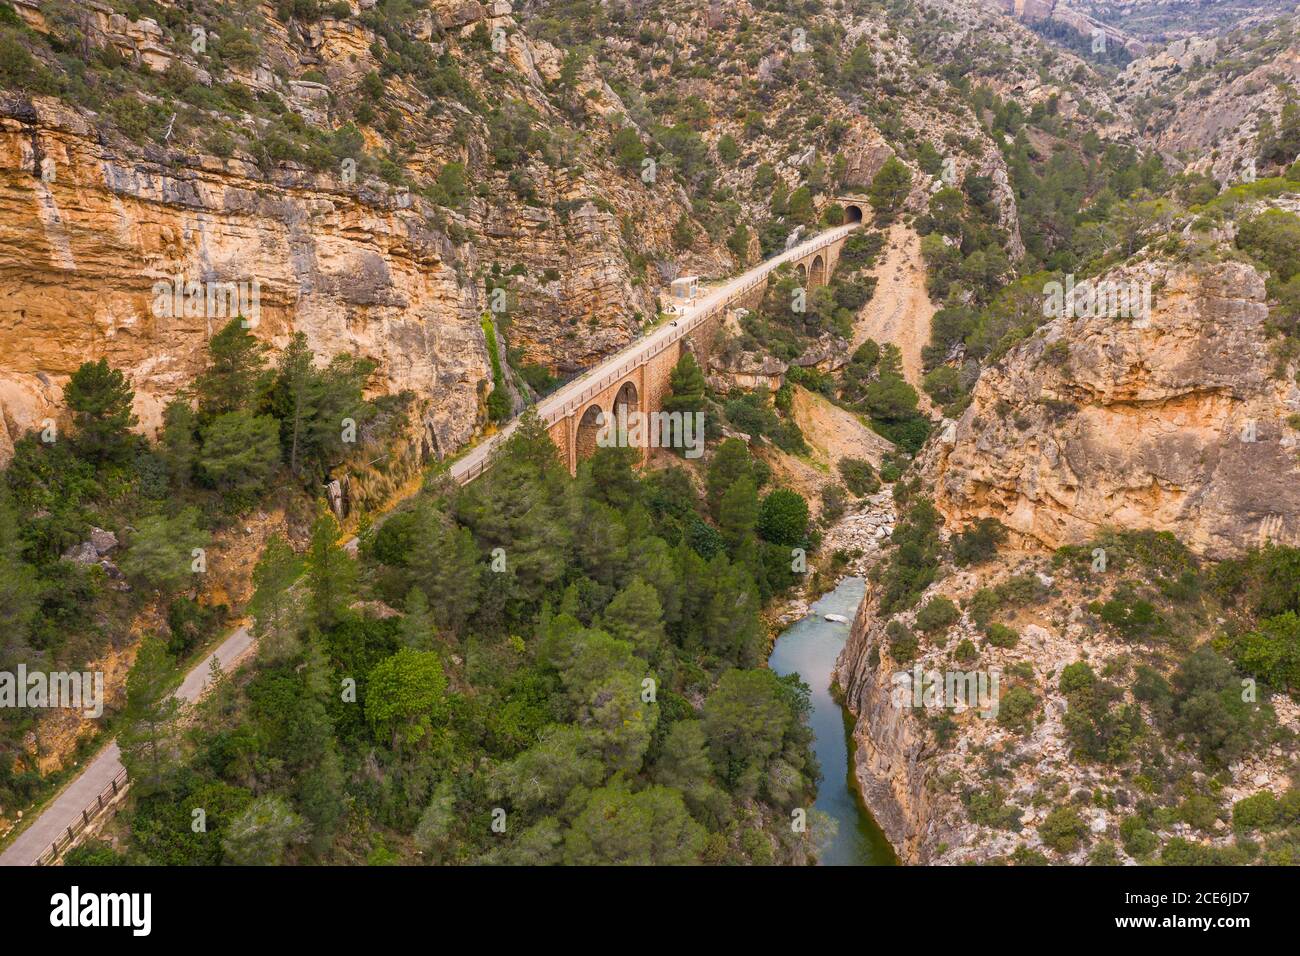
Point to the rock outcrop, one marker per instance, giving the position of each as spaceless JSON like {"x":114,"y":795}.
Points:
{"x":86,"y":254}
{"x":1079,"y":22}
{"x":1204,"y":101}
{"x":1177,"y":422}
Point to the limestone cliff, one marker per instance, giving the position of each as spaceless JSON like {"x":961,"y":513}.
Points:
{"x":94,"y":221}
{"x":373,"y":169}
{"x":1175,"y":423}
{"x":953,"y":784}
{"x":1206,"y":101}
{"x":82,"y":254}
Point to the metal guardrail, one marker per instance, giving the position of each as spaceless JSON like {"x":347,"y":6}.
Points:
{"x":91,"y":813}
{"x":686,"y":327}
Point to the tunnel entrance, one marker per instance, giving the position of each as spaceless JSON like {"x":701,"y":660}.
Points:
{"x":852,"y":213}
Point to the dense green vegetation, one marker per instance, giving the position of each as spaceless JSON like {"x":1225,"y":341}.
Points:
{"x":227,"y":445}
{"x":576,"y":677}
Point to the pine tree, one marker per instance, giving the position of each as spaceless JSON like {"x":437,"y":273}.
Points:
{"x":272,"y":604}
{"x":522,"y":507}
{"x":783,"y":517}
{"x":160,"y":552}
{"x":730,"y":462}
{"x":241,"y":453}
{"x":100,"y":399}
{"x":635,"y":616}
{"x":19,"y":588}
{"x":148,"y":740}
{"x":260,"y":835}
{"x":687,"y":385}
{"x":608,"y":477}
{"x":179,"y":449}
{"x":295,"y":397}
{"x":417,"y":628}
{"x":733,"y":628}
{"x":447,"y":567}
{"x":738,"y":512}
{"x":889,"y":189}
{"x":339,"y":395}
{"x":331,"y":573}
{"x":236,"y":374}
{"x":696,"y":593}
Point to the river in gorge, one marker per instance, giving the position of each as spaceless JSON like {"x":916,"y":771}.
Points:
{"x":809,"y":647}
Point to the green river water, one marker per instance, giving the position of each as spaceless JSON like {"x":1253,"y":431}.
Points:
{"x":809,"y":647}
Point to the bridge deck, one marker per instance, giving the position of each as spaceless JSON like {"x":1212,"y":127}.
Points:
{"x":568,"y":399}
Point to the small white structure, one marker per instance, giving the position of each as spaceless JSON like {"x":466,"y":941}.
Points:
{"x":686,"y":288}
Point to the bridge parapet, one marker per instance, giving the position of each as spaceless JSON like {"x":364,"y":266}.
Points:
{"x":649,"y":362}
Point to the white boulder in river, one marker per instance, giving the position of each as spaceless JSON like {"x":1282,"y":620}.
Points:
{"x":837,"y":618}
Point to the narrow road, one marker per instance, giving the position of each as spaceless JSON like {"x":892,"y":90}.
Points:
{"x":98,"y":775}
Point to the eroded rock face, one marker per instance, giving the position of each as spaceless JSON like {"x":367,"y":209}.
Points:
{"x":83,"y":255}
{"x":1177,"y":423}
{"x":1212,"y":122}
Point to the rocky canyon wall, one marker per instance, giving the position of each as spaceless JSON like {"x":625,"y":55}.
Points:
{"x":1176,"y":422}
{"x":86,"y":249}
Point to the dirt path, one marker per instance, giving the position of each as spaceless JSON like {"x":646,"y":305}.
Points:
{"x":901,"y":310}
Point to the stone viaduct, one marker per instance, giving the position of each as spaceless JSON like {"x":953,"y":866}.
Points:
{"x":636,"y":378}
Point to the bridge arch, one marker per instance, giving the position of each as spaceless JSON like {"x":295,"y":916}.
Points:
{"x":817,"y":274}
{"x":802,"y":271}
{"x":628,"y":398}
{"x":589,"y":425}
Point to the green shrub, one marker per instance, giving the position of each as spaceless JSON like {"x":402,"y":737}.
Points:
{"x":1199,"y":811}
{"x":979,"y":543}
{"x":1130,"y":616}
{"x":903,"y":644}
{"x":1075,"y":677}
{"x":999,"y":635}
{"x":859,"y":477}
{"x":1255,"y":812}
{"x":1016,"y":710}
{"x":783,"y":517}
{"x":1063,"y":829}
{"x":937,"y":614}
{"x":989,"y":808}
{"x":1138,"y":839}
{"x":1104,"y":854}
